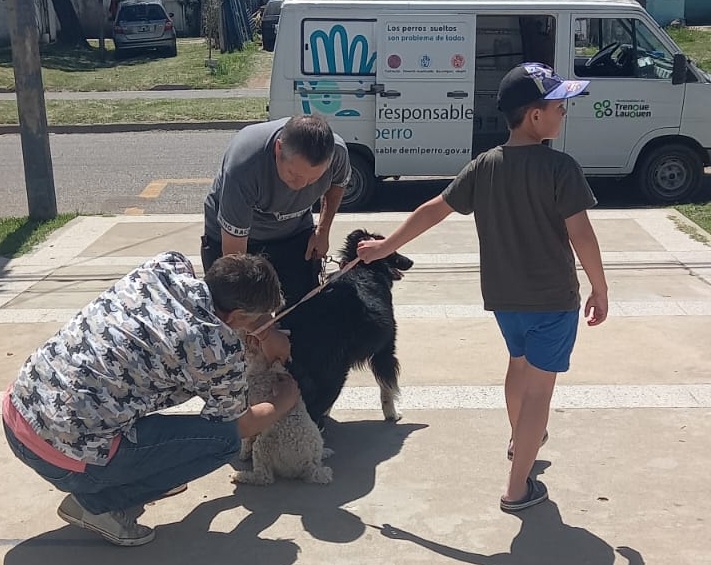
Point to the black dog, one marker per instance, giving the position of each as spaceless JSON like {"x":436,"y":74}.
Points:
{"x":348,"y":324}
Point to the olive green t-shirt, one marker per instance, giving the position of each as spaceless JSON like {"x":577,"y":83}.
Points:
{"x":521,"y":197}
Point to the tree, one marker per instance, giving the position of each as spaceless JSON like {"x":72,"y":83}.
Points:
{"x":71,"y":32}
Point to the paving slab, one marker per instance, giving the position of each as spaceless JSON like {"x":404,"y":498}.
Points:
{"x":422,"y":491}
{"x":625,"y":466}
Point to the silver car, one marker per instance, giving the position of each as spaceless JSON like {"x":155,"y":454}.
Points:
{"x":144,"y":24}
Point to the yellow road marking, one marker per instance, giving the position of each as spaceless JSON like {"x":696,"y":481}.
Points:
{"x":155,"y":188}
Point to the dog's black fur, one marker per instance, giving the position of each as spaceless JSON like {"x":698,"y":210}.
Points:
{"x":350,"y":323}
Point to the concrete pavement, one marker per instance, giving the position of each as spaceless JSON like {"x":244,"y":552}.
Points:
{"x":626,"y":466}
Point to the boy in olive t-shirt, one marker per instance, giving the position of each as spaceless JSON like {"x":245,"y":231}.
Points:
{"x":530,"y":204}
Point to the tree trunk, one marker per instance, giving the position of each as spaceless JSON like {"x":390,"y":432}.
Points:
{"x":71,"y":32}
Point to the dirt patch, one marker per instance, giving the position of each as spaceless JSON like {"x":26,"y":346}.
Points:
{"x":261,"y":75}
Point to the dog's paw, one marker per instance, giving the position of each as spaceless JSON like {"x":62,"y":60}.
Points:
{"x":321,"y":476}
{"x":326,"y":453}
{"x":251,"y":478}
{"x":392,"y":415}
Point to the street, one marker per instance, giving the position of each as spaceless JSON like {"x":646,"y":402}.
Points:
{"x":164,"y":172}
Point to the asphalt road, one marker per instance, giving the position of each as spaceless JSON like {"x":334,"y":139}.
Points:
{"x":163,"y":172}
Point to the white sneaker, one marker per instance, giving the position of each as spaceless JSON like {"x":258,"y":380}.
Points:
{"x":118,"y":527}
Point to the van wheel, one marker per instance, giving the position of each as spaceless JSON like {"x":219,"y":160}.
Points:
{"x":670,"y":173}
{"x":362,"y":185}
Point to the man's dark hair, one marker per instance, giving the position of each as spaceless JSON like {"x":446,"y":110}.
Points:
{"x":310,"y":137}
{"x":245,"y":282}
{"x":514,"y":118}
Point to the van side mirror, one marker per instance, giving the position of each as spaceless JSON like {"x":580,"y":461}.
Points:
{"x":679,"y":70}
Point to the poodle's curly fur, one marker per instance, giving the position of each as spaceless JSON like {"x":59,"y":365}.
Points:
{"x":293,"y":447}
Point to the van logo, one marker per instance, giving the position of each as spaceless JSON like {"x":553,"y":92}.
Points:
{"x":337,"y":39}
{"x":322,"y":96}
{"x":603,"y":109}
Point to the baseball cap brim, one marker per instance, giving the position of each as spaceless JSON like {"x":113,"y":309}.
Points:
{"x":567,"y":89}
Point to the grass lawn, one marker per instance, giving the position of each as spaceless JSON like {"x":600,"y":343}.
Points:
{"x":81,"y":70}
{"x":20,"y":235}
{"x":694,"y":43}
{"x":62,"y":112}
{"x":697,"y":45}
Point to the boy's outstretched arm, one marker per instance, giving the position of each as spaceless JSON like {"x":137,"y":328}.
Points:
{"x":427,"y":215}
{"x":584,"y":241}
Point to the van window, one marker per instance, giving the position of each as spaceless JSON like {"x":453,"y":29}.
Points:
{"x":607,"y":47}
{"x":338,"y":47}
{"x":502,"y":42}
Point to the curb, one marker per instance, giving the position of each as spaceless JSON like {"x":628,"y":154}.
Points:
{"x":138,"y":127}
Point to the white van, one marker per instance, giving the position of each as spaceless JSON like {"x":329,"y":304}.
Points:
{"x":411,"y":85}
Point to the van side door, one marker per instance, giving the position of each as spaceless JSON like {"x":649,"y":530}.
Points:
{"x":424,"y":110}
{"x":631,"y":96}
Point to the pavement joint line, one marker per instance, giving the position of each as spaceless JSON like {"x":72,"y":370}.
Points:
{"x":565,"y":397}
{"x":627,"y":309}
{"x":623,"y":260}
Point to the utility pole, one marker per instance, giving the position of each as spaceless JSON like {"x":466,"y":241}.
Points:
{"x":29,"y":91}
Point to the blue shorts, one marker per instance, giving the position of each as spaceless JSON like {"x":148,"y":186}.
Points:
{"x":546,"y":339}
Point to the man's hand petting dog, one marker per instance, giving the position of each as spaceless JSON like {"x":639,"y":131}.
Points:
{"x":274,"y":343}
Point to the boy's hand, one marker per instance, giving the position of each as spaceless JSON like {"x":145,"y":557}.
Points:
{"x":275,"y":345}
{"x":596,"y":308}
{"x":371,"y":250}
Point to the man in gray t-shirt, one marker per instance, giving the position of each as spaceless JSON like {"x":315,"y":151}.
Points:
{"x":271,"y":176}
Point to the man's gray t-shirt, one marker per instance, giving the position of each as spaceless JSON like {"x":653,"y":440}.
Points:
{"x":521,"y":197}
{"x":249,"y":199}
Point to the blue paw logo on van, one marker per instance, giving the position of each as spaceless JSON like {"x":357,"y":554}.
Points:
{"x":336,"y":41}
{"x":314,"y":99}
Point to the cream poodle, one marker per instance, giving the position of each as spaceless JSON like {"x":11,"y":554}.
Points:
{"x":293,"y":447}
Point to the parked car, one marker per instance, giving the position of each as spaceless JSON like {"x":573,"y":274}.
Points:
{"x":142,"y":25}
{"x":270,"y":24}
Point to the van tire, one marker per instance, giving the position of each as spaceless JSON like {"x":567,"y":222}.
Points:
{"x":669,"y":173}
{"x":362,"y":186}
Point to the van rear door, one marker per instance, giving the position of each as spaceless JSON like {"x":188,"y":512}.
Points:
{"x":424,"y":111}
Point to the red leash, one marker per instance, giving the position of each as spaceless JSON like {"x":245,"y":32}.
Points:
{"x":347,"y":267}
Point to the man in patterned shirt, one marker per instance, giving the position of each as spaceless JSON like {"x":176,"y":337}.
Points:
{"x":82,"y":412}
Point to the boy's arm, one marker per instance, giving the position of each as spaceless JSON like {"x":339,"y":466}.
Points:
{"x":259,"y":417}
{"x":427,"y":215}
{"x":583,"y":239}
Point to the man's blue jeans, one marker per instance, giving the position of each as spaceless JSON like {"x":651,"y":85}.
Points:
{"x":171,"y":450}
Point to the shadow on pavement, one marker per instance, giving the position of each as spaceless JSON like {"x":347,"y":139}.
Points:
{"x":544,"y":538}
{"x":360,"y":446}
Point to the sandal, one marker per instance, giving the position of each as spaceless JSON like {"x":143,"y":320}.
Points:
{"x":509,"y":451}
{"x":537,"y":493}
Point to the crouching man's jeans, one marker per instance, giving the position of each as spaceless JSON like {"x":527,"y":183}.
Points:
{"x":171,"y":450}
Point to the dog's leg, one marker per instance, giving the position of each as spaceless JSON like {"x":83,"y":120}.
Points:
{"x":245,"y":452}
{"x":261,"y":473}
{"x":386,"y":369}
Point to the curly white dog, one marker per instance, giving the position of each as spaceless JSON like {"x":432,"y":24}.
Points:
{"x":292,"y":448}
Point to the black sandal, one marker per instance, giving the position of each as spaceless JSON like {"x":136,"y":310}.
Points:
{"x":537,"y":493}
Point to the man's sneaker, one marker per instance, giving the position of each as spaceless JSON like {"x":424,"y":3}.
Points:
{"x":172,"y":492}
{"x":118,"y":527}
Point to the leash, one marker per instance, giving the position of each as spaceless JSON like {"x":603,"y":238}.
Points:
{"x":347,"y":267}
